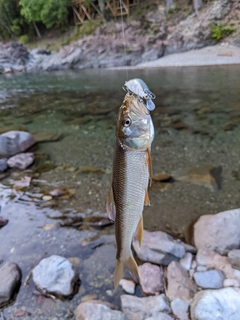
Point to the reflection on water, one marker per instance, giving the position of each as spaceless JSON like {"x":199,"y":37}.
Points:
{"x":197,"y":123}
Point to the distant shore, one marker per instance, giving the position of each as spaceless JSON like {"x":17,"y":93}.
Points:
{"x":223,"y":54}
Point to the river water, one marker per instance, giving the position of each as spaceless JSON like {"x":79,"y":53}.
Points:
{"x":197,"y":124}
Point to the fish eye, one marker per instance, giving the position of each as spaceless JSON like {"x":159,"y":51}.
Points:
{"x":126,"y":122}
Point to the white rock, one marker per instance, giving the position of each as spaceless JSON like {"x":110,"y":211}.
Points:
{"x":231,"y":283}
{"x":151,"y":278}
{"x":222,"y":304}
{"x":179,"y":283}
{"x":13,"y":142}
{"x":191,"y":273}
{"x":127,"y":285}
{"x":97,"y":310}
{"x":186,"y":261}
{"x":142,"y":308}
{"x":219,"y":232}
{"x":212,"y":279}
{"x":180,"y":309}
{"x":55,"y":275}
{"x":21,"y":161}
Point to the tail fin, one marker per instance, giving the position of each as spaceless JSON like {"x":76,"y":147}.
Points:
{"x":130,"y":265}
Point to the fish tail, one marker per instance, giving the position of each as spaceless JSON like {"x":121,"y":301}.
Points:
{"x":121,"y":266}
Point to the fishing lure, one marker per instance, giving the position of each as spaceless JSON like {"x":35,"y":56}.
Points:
{"x":138,"y":86}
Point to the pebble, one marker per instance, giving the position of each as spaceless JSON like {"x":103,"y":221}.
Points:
{"x":136,"y":308}
{"x":3,"y":165}
{"x":212,"y":279}
{"x":21,"y":161}
{"x":180,"y":308}
{"x":47,"y":198}
{"x":151,"y":278}
{"x":201,"y":268}
{"x":186,"y":261}
{"x":128,"y":286}
{"x":179,"y":283}
{"x":231,"y":283}
{"x":234,"y":257}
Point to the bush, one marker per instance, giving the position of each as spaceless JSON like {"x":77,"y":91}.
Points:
{"x":220,"y":31}
{"x":23,"y":39}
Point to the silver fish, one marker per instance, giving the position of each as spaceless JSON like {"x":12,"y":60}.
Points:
{"x":132,"y":171}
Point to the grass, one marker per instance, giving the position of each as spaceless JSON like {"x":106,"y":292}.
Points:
{"x":220,"y":31}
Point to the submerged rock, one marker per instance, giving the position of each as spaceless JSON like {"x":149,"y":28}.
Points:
{"x":151,"y":279}
{"x":55,"y":275}
{"x":142,"y":308}
{"x":10,"y":277}
{"x":21,"y":161}
{"x":3,"y":221}
{"x":98,"y":310}
{"x":219,"y":232}
{"x":13,"y":142}
{"x":216,"y":304}
{"x":179,"y":283}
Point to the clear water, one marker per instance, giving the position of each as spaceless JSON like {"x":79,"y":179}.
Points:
{"x":197,"y":123}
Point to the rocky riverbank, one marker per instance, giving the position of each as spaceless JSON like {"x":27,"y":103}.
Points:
{"x":152,"y":36}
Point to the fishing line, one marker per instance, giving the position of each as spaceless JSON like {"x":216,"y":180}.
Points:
{"x":124,"y":39}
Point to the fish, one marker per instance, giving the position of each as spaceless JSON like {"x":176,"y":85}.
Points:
{"x":138,"y":87}
{"x":131,"y":176}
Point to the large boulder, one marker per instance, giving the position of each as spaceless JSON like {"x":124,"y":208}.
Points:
{"x":220,"y":304}
{"x":13,"y":53}
{"x":219,"y":232}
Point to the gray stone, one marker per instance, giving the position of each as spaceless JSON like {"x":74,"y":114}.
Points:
{"x":3,"y":221}
{"x":179,"y":283}
{"x":21,"y":161}
{"x":13,"y":142}
{"x":127,"y":285}
{"x":219,"y":232}
{"x":151,"y":278}
{"x":97,"y":310}
{"x":186,"y":261}
{"x":219,"y":304}
{"x":3,"y":165}
{"x":13,"y":53}
{"x":10,"y":276}
{"x":141,"y":308}
{"x":159,"y":247}
{"x":55,"y":275}
{"x":234,"y":257}
{"x":212,"y":279}
{"x":180,"y":309}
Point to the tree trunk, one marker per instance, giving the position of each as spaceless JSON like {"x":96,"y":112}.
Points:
{"x":37,"y":30}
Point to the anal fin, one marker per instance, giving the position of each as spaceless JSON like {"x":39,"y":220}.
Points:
{"x":139,"y":231}
{"x":110,"y":206}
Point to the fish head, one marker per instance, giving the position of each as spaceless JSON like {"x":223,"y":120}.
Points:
{"x":135,"y":129}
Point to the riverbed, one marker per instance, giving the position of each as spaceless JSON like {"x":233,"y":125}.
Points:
{"x":197,"y":124}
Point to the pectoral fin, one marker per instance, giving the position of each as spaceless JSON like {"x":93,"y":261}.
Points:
{"x":149,"y":163}
{"x":139,"y":232}
{"x":110,"y":206}
{"x":146,"y":199}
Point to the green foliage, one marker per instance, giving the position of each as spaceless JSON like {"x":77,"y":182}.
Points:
{"x":52,"y":13}
{"x":8,"y":12}
{"x":220,"y":31}
{"x":23,"y":39}
{"x":87,"y":28}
